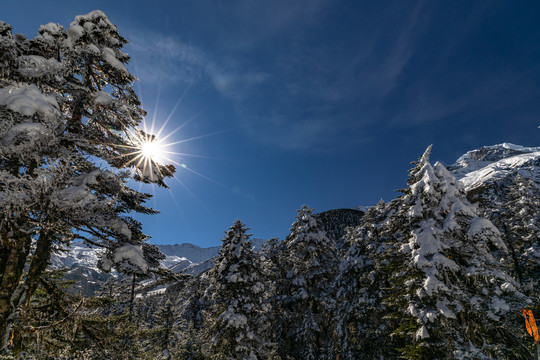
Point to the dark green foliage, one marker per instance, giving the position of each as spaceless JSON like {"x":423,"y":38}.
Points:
{"x":362,"y":321}
{"x":304,"y":301}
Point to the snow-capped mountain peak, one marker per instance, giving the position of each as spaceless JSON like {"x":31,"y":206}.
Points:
{"x":493,"y":163}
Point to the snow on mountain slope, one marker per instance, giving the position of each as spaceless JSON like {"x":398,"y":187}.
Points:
{"x":186,"y":253}
{"x":81,"y":261}
{"x":489,"y":164}
{"x":181,"y":256}
{"x":78,"y":254}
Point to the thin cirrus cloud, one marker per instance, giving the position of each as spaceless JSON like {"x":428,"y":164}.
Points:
{"x":333,"y":90}
{"x":313,"y":88}
{"x":164,"y":60}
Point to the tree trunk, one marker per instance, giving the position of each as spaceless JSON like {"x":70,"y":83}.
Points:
{"x":11,"y":337}
{"x":4,"y":252}
{"x":132,"y":298}
{"x":39,"y":263}
{"x":16,"y":250}
{"x":21,"y":293}
{"x":510,"y":244}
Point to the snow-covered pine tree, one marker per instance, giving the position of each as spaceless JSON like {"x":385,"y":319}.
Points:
{"x":361,"y":328}
{"x":305,"y":297}
{"x":194,"y":319}
{"x":448,"y":291}
{"x":516,"y":213}
{"x":270,"y":255}
{"x":68,"y":123}
{"x":238,"y":289}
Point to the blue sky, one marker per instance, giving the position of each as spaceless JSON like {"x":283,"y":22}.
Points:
{"x":316,"y":102}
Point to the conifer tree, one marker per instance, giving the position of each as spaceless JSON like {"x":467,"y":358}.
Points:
{"x":136,"y":258}
{"x":448,"y":291}
{"x":516,"y":213}
{"x":161,"y":338}
{"x":66,"y":106}
{"x":305,"y":297}
{"x":362,"y":331}
{"x":238,"y":291}
{"x":192,"y":323}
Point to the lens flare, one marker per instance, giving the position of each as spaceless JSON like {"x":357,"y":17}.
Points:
{"x":152,"y":150}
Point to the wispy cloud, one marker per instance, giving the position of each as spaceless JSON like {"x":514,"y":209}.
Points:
{"x":333,"y":88}
{"x":297,"y":82}
{"x":165,"y":60}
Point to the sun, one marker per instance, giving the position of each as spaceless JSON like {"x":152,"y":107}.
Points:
{"x":151,"y":154}
{"x":151,"y":150}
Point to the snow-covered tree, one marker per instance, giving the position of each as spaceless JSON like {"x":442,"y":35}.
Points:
{"x":305,"y":297}
{"x":161,"y":338}
{"x":191,"y":325}
{"x":239,"y":293}
{"x":516,"y":213}
{"x":448,"y":291}
{"x":362,"y":331}
{"x":68,"y":125}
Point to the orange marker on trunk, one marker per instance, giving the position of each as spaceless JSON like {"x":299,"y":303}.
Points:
{"x":530,"y":323}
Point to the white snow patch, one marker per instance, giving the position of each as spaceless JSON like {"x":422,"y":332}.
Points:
{"x":233,"y":319}
{"x":110,"y":57}
{"x":51,"y":27}
{"x":30,"y":129}
{"x":443,"y":309}
{"x":102,"y":98}
{"x":484,"y":229}
{"x":28,"y":100}
{"x":74,"y":33}
{"x":422,"y":333}
{"x":131,"y":257}
{"x":37,"y":66}
{"x":498,"y":305}
{"x":120,"y":227}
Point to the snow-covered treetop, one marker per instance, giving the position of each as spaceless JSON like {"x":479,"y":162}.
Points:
{"x":235,"y":261}
{"x":310,"y":256}
{"x":305,"y":229}
{"x":69,"y":133}
{"x":236,"y":240}
{"x":130,"y":258}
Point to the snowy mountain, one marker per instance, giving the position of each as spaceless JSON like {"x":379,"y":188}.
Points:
{"x":488,"y":172}
{"x":81,"y":261}
{"x":495,"y":165}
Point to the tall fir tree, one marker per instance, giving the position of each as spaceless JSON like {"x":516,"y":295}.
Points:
{"x":449,"y":292}
{"x":516,"y":213}
{"x":194,"y":319}
{"x":239,"y":294}
{"x":305,"y":298}
{"x":66,"y":106}
{"x":362,"y":331}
